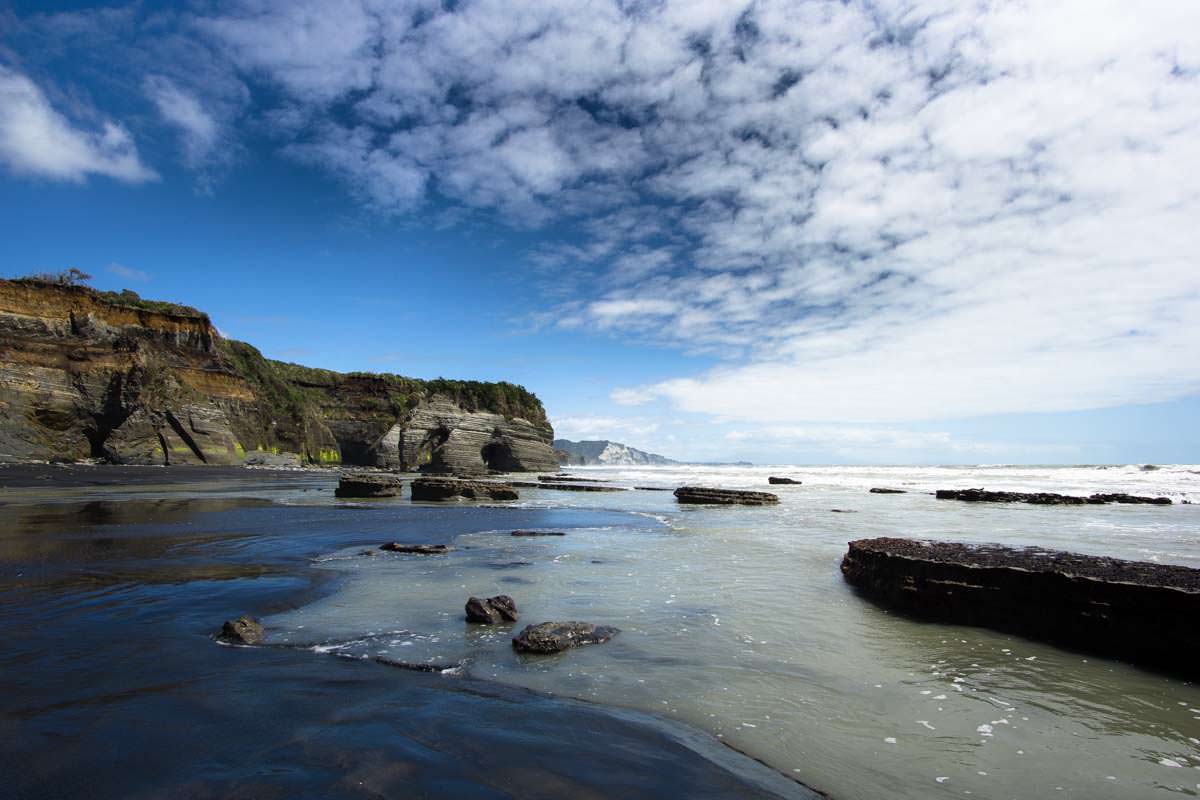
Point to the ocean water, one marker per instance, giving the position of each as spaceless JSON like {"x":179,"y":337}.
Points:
{"x":736,"y":620}
{"x":736,"y":627}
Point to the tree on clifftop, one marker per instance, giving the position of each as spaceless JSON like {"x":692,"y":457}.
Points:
{"x":68,"y":277}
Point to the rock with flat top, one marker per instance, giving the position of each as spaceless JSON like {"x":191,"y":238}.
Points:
{"x":704,"y":496}
{"x":783,"y":481}
{"x":1047,"y":498}
{"x":554,"y":637}
{"x":369,"y":484}
{"x":1134,"y":610}
{"x":435,"y":489}
{"x":883,"y":490}
{"x":416,"y":549}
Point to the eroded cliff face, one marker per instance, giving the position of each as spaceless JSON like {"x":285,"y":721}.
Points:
{"x":91,"y":375}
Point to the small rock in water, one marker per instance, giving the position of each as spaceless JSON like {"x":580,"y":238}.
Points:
{"x":554,"y":637}
{"x":416,"y":549}
{"x":243,"y":630}
{"x":538,"y":533}
{"x":783,"y":481}
{"x":491,"y":611}
{"x":883,"y":490}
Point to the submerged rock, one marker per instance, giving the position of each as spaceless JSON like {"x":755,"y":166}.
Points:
{"x":369,"y":484}
{"x":416,"y":549}
{"x":243,"y":630}
{"x":783,"y":481}
{"x":1139,"y":611}
{"x":881,"y":490}
{"x":1046,"y":498}
{"x":554,"y":637}
{"x":491,"y":611}
{"x":705,"y":496}
{"x":538,"y":533}
{"x":449,"y":488}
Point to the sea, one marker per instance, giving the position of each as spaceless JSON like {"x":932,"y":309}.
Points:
{"x":745,"y":666}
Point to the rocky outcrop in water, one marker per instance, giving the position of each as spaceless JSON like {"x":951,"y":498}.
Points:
{"x":554,"y":637}
{"x":416,"y":549}
{"x":243,"y":630}
{"x":1047,"y":498}
{"x":566,"y":487}
{"x":492,"y":611}
{"x":435,"y":489}
{"x":537,"y":533}
{"x":87,"y":374}
{"x":774,"y":481}
{"x":1138,"y":611}
{"x":377,"y":484}
{"x":883,"y":490}
{"x":704,"y":496}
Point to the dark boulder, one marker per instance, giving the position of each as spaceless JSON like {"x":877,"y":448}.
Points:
{"x":369,"y":484}
{"x":538,"y":533}
{"x":243,"y":630}
{"x":416,"y":549}
{"x":1139,"y":611}
{"x":880,"y":490}
{"x":705,"y":496}
{"x":491,"y":611}
{"x":1045,"y":498}
{"x":554,"y":637}
{"x":449,"y":488}
{"x":783,"y":481}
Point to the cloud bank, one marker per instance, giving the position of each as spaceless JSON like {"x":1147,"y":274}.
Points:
{"x":866,"y":211}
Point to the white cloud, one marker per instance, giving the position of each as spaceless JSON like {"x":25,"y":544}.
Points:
{"x":184,"y":111}
{"x":35,"y":139}
{"x":610,"y":428}
{"x":128,"y":273}
{"x":869,"y":211}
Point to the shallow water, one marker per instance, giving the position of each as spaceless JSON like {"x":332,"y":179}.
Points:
{"x":111,"y":685}
{"x":737,"y":621}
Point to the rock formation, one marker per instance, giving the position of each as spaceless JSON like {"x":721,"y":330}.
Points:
{"x":369,"y":484}
{"x":450,"y":488}
{"x":783,"y":481}
{"x":554,"y":637}
{"x":88,"y":374}
{"x":1139,"y":611}
{"x":416,"y":549}
{"x":1046,"y":498}
{"x":243,"y":630}
{"x":704,"y":496}
{"x":491,"y":611}
{"x":883,"y":490}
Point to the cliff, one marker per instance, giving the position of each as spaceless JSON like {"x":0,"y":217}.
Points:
{"x":591,"y":453}
{"x":88,"y":374}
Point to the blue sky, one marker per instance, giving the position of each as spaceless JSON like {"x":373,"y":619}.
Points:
{"x":807,"y":232}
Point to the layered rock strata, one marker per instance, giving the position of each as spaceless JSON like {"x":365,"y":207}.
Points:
{"x":701,"y":495}
{"x":1138,"y":611}
{"x":87,"y":374}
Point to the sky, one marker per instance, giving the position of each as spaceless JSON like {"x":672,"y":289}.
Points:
{"x":782,"y":231}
